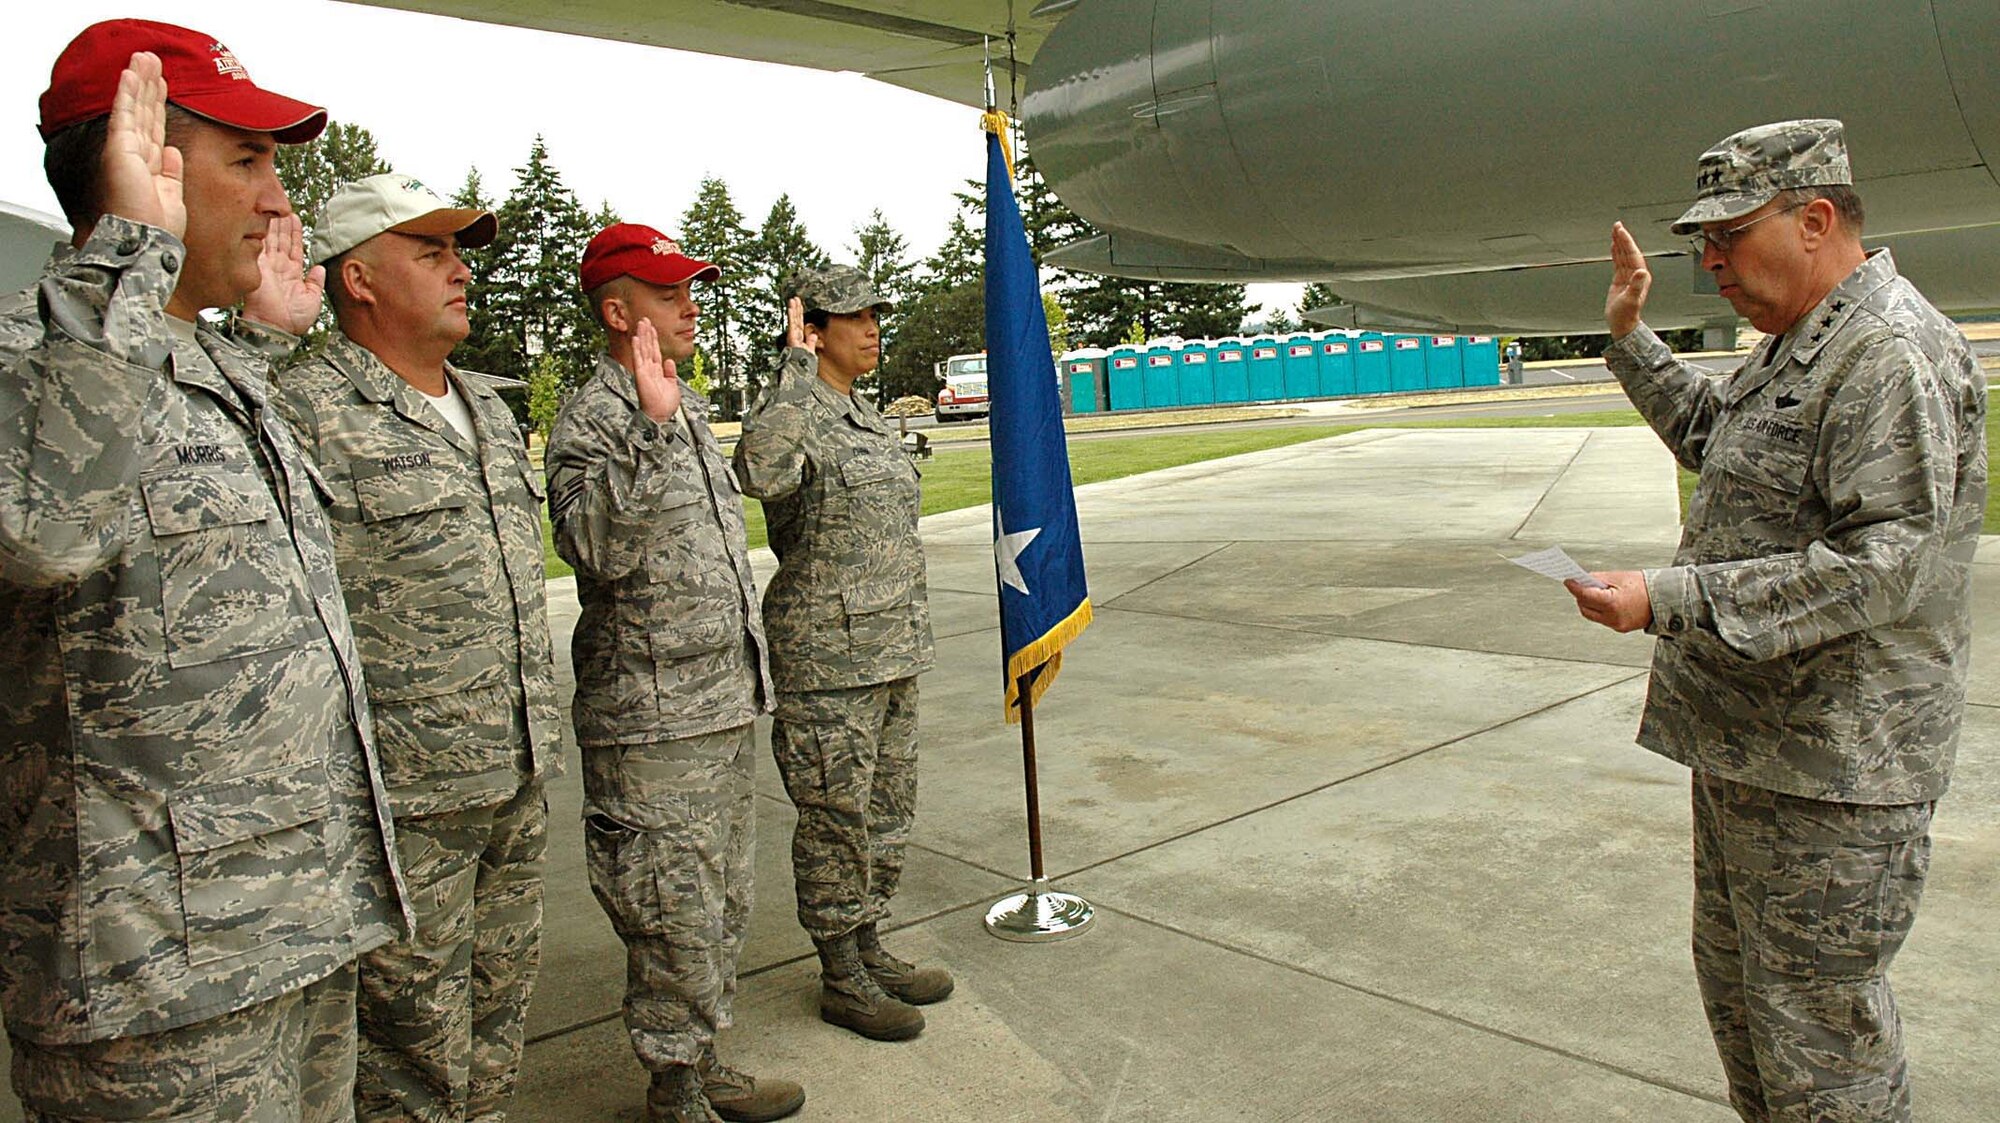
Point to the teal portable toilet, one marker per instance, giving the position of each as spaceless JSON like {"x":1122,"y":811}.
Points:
{"x":1267,"y":369}
{"x":1480,"y":356}
{"x":1125,"y":378}
{"x":1302,"y":367}
{"x":1336,"y":365}
{"x":1406,"y":362}
{"x":1197,"y":376}
{"x":1443,"y":368}
{"x":1232,"y":370}
{"x":1083,"y":377}
{"x":1371,"y":363}
{"x":1162,"y":376}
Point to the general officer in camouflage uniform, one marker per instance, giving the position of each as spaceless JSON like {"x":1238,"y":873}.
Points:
{"x":1814,"y":627}
{"x":850,"y":631}
{"x":671,"y":674}
{"x":438,"y":534}
{"x":197,"y":843}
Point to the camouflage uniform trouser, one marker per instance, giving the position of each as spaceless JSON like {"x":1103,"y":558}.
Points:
{"x":288,"y":1060}
{"x":1799,"y":908}
{"x":443,"y":1013}
{"x":669,"y":829}
{"x":849,"y":759}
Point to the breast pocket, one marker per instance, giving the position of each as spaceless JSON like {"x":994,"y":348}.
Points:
{"x":230,"y":585}
{"x":881,"y":621}
{"x":421,"y":538}
{"x":1751,"y":498}
{"x":252,"y":856}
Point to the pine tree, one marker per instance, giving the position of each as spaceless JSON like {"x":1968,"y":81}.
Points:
{"x":782,"y":247}
{"x":488,"y":344}
{"x":884,"y":255}
{"x":713,"y":230}
{"x":312,"y":172}
{"x":532,"y":298}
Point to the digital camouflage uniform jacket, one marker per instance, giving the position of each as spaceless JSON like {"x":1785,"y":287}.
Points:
{"x":1815,"y":627}
{"x":654,"y":526}
{"x":439,"y":542}
{"x":192,"y":813}
{"x":848,"y":606}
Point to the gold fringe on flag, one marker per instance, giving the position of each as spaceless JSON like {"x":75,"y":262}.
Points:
{"x":1048,"y":649}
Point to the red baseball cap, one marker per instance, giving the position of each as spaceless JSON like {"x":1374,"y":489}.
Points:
{"x":628,"y":249}
{"x":203,"y":77}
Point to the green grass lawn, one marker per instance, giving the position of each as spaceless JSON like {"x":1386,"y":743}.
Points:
{"x":955,"y":479}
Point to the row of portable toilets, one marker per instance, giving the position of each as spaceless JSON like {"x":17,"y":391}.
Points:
{"x":1319,"y":365}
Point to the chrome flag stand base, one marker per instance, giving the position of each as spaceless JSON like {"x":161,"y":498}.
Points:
{"x":1039,"y":915}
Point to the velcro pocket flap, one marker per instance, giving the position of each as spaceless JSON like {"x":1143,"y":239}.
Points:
{"x":186,"y":501}
{"x":1771,"y":464}
{"x":879,"y":596}
{"x":691,"y":637}
{"x":863,"y":470}
{"x":233,"y":811}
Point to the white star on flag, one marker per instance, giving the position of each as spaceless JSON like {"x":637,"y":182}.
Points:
{"x":1007,"y":549}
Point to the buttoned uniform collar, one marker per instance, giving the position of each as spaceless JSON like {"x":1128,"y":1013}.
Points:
{"x":851,"y":405}
{"x":375,"y":382}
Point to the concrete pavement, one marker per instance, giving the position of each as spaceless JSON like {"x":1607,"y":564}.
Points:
{"x":1358,"y":805}
{"x":1357,"y":802}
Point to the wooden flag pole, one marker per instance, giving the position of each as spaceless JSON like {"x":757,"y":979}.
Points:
{"x":1041,"y":913}
{"x":1034,"y":792}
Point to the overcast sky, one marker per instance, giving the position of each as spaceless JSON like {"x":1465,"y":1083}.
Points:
{"x":634,"y":126}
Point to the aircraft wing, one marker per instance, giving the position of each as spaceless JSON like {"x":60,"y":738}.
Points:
{"x":931,"y":46}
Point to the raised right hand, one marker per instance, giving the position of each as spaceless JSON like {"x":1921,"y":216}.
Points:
{"x":141,"y":177}
{"x":798,"y":333}
{"x":656,"y":379}
{"x":1630,"y":282}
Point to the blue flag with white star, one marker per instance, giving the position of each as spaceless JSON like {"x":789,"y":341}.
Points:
{"x":1037,"y":553}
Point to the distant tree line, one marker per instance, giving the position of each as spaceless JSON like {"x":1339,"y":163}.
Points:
{"x":530,"y":323}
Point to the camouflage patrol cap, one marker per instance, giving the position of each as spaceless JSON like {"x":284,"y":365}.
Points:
{"x":840,"y":289}
{"x":1747,"y":170}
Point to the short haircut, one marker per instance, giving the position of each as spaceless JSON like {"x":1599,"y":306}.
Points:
{"x":74,"y":159}
{"x":597,"y":296}
{"x":1846,"y":203}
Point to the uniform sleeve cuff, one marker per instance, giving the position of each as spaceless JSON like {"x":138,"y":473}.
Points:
{"x":1641,"y":347}
{"x":1675,"y":598}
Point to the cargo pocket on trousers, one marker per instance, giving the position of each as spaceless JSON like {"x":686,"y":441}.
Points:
{"x":1839,"y":912}
{"x":253,"y":865}
{"x":641,"y":878}
{"x":58,"y":1085}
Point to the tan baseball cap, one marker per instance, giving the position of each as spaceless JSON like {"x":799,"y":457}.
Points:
{"x":381,"y":203}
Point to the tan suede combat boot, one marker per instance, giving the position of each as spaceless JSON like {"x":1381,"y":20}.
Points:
{"x":850,"y":997}
{"x":918,"y":986}
{"x":674,"y":1096}
{"x":742,"y":1098}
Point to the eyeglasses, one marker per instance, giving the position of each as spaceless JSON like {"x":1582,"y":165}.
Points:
{"x":1721,"y":240}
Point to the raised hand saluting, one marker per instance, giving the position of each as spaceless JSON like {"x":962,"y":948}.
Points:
{"x":798,"y":333}
{"x":657,"y":379}
{"x":141,"y":176}
{"x":288,"y":294}
{"x":1630,"y":282}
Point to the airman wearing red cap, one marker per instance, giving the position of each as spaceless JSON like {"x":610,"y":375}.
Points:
{"x":201,"y":844}
{"x":671,"y":674}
